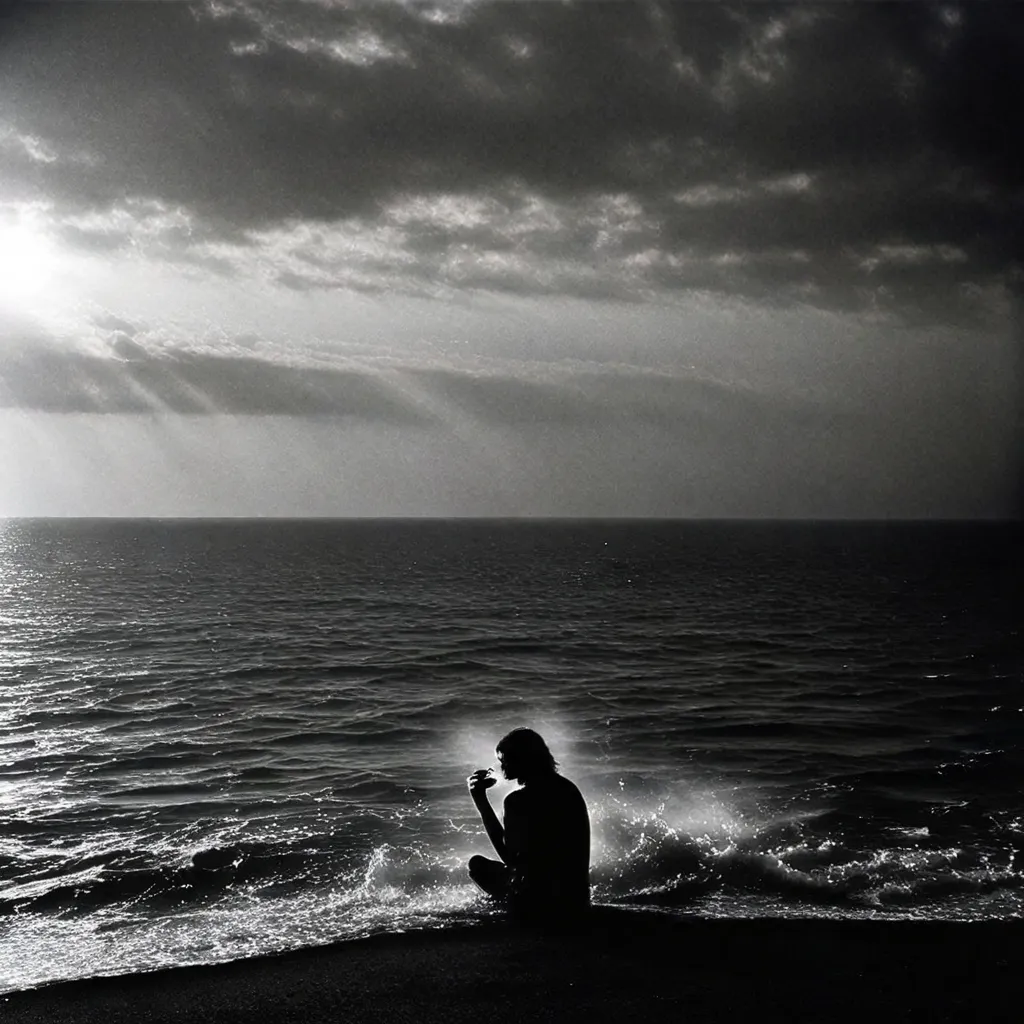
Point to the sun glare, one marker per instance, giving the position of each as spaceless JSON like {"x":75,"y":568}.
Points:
{"x":27,"y":260}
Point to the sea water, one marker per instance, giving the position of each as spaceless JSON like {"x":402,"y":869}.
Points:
{"x":222,"y":738}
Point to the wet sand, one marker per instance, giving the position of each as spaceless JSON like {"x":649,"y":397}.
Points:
{"x":622,"y":966}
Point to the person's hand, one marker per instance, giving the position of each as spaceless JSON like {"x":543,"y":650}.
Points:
{"x":480,"y":781}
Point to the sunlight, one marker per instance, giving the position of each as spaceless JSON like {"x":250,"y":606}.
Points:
{"x":27,"y":258}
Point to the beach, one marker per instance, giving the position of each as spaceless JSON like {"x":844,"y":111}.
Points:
{"x":621,"y":965}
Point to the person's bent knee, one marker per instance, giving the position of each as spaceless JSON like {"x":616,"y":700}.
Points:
{"x":476,"y":862}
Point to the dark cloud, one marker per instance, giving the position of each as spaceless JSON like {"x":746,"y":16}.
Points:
{"x":130,"y":378}
{"x":135,"y":380}
{"x":700,"y":408}
{"x":902,"y":119}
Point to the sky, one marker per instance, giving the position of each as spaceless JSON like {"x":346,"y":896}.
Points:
{"x":511,"y":259}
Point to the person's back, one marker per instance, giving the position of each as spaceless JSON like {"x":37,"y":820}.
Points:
{"x":544,"y":839}
{"x":547,"y":831}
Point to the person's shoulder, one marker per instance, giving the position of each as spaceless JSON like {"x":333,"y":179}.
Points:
{"x":570,"y":789}
{"x":515,"y":798}
{"x":567,"y":784}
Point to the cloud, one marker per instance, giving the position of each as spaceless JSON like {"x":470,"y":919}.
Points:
{"x":107,"y":321}
{"x":132,"y":379}
{"x":590,"y":150}
{"x":129,"y":369}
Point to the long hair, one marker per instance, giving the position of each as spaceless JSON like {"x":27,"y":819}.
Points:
{"x":529,"y":750}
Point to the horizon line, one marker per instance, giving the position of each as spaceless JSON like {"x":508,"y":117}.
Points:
{"x":513,"y":518}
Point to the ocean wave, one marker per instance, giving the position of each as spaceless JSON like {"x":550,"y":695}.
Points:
{"x":654,"y":861}
{"x":639,"y":858}
{"x":149,"y":879}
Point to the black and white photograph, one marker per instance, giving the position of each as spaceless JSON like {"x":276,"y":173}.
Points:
{"x":511,"y":510}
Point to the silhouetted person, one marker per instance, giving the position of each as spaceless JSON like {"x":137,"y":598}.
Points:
{"x":544,"y":841}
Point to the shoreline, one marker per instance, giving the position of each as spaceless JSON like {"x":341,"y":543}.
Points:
{"x":621,"y":965}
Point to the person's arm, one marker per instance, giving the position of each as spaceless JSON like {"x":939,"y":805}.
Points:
{"x":479,"y":782}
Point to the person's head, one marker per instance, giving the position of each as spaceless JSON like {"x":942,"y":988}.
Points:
{"x":524,"y":755}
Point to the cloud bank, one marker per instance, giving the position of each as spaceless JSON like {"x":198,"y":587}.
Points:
{"x":128,"y":369}
{"x":618,"y":150}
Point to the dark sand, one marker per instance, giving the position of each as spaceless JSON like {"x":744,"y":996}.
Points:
{"x":624,"y":966}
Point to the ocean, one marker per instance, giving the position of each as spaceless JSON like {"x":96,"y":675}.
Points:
{"x":224,"y":738}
